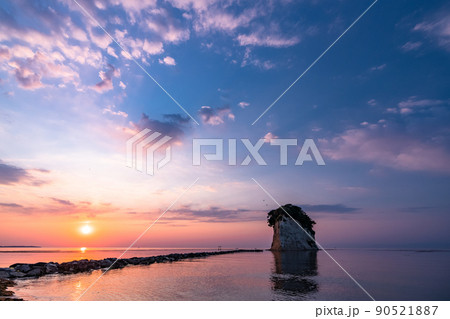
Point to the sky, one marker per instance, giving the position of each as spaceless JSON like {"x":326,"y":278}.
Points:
{"x":80,"y":78}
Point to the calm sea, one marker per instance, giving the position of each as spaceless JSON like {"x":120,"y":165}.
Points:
{"x":386,"y":275}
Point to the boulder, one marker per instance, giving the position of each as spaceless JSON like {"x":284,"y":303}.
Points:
{"x":120,"y":263}
{"x":105,"y":263}
{"x":287,"y":233}
{"x":22,"y":267}
{"x":51,"y":268}
{"x":16,"y":274}
{"x":35,"y":272}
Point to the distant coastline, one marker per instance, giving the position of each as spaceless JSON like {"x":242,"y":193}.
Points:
{"x":20,"y":247}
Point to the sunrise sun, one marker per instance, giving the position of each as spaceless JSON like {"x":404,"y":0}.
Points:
{"x":86,"y":229}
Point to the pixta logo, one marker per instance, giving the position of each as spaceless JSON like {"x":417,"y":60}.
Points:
{"x":308,"y":148}
{"x":141,"y":150}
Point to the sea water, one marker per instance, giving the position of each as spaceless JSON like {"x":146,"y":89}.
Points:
{"x":385,"y":274}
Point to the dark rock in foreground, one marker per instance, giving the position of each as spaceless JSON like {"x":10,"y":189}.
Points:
{"x":5,"y":294}
{"x":22,"y":270}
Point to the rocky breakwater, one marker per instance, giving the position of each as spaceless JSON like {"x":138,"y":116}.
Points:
{"x":22,"y":270}
{"x":287,"y":235}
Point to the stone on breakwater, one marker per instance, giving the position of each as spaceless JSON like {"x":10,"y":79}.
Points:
{"x":51,"y":268}
{"x":23,"y":268}
{"x":16,"y":274}
{"x":120,"y":263}
{"x":5,"y":272}
{"x":105,"y":263}
{"x":35,"y":272}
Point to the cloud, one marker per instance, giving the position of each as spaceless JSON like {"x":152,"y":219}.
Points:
{"x":269,"y":136}
{"x":11,"y":205}
{"x":10,"y":174}
{"x":437,"y":27}
{"x":153,"y":47}
{"x":137,"y":47}
{"x":4,"y":53}
{"x":378,"y":67}
{"x":418,"y":209}
{"x":177,"y":118}
{"x":372,"y":102}
{"x":215,"y":116}
{"x":111,"y":52}
{"x":413,"y":104}
{"x":111,"y":110}
{"x":243,"y":104}
{"x":330,"y":209}
{"x":218,"y":214}
{"x":217,"y":19}
{"x":267,"y":40}
{"x":166,"y":27}
{"x":250,"y":60}
{"x":381,"y":145}
{"x":411,"y":46}
{"x":58,"y":37}
{"x":29,"y":68}
{"x":62,"y":201}
{"x":174,"y":126}
{"x":134,"y":6}
{"x":168,"y":61}
{"x":106,"y":77}
{"x":197,"y":5}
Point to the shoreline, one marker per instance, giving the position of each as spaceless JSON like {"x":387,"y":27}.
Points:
{"x":40,"y":269}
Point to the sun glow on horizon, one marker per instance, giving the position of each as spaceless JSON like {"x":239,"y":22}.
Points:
{"x":83,"y":250}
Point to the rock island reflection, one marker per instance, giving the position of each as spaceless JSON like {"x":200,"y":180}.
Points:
{"x":293,"y":274}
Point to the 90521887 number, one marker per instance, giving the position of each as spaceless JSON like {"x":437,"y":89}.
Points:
{"x":406,"y":311}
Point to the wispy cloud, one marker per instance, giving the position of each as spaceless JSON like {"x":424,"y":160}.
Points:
{"x":438,"y":27}
{"x":249,"y":59}
{"x":174,"y":125}
{"x":111,"y":109}
{"x":243,"y":104}
{"x":382,"y":146}
{"x":267,"y":40}
{"x":411,"y":46}
{"x":106,"y":83}
{"x":215,"y":214}
{"x":329,"y":208}
{"x":10,"y":174}
{"x":378,"y":67}
{"x":168,"y":61}
{"x":62,"y":201}
{"x":413,"y":104}
{"x":215,"y":116}
{"x":11,"y":205}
